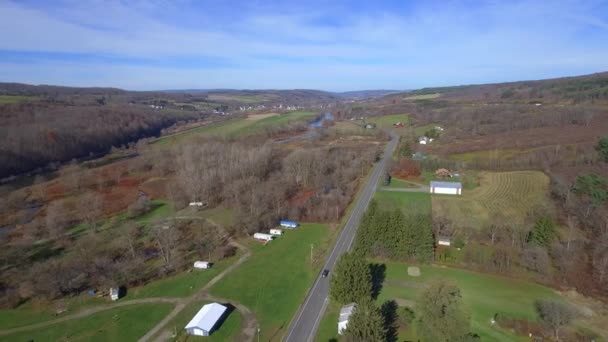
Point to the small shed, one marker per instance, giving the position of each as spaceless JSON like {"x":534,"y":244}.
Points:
{"x":202,"y":264}
{"x":276,"y":232}
{"x":114,"y":293}
{"x":345,"y":313}
{"x":449,"y":188}
{"x":196,"y":204}
{"x":205,"y":320}
{"x":289,"y":224}
{"x":444,"y":241}
{"x":263,"y":236}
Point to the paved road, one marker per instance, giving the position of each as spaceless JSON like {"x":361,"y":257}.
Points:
{"x":306,"y":322}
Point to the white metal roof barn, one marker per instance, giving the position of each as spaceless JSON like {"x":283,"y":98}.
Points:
{"x":205,"y":319}
{"x":449,"y":188}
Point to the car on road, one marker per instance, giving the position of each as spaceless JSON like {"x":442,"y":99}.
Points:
{"x":325,"y":273}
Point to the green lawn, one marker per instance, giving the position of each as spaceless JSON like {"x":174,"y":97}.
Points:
{"x":407,"y":201}
{"x":484,"y":295}
{"x":126,"y":323}
{"x":228,"y":331}
{"x":160,"y":208}
{"x":180,"y":285}
{"x":10,"y":99}
{"x":30,"y":313}
{"x":274,"y":121}
{"x":221,"y":216}
{"x":399,"y":184}
{"x":387,"y":121}
{"x":274,"y":281}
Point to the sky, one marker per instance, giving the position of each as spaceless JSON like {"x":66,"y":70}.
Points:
{"x":315,"y":44}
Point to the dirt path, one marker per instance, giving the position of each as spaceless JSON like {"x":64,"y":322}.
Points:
{"x":249,"y":320}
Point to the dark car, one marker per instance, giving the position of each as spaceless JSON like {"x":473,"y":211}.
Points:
{"x":325,"y":273}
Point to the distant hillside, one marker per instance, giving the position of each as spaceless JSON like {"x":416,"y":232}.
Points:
{"x":586,"y":88}
{"x":366,"y":94}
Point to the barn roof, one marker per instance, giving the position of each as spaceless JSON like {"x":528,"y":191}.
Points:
{"x":452,"y":185}
{"x":207,"y":317}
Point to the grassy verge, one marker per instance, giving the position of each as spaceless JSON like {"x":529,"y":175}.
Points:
{"x":227,"y":331}
{"x":121,"y":324}
{"x":274,"y":281}
{"x":328,"y":327}
{"x":397,"y":183}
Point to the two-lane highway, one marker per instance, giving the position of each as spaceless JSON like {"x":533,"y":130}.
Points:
{"x":306,"y":322}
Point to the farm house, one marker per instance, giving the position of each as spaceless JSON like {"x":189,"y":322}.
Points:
{"x":202,"y":264}
{"x":263,"y":236}
{"x":276,"y":232}
{"x":345,"y":313}
{"x":448,"y":188}
{"x":205,"y":319}
{"x":289,"y":224}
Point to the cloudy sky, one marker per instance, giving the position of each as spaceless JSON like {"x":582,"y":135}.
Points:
{"x":331,"y":45}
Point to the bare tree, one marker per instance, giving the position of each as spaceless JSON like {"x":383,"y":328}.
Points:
{"x":555,"y":314}
{"x":166,"y":238}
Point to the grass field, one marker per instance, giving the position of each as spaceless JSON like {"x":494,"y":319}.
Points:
{"x":274,"y":281}
{"x":484,"y":295}
{"x":499,"y":194}
{"x":238,"y":127}
{"x":181,"y":285}
{"x":387,"y":121}
{"x":9,"y":99}
{"x":486,"y":155}
{"x":126,"y":323}
{"x":228,"y":331}
{"x":408,"y":202}
{"x":422,"y":97}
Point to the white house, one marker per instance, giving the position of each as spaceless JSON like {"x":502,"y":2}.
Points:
{"x":345,"y":313}
{"x":276,"y":232}
{"x":202,"y":264}
{"x":444,"y":241}
{"x":262,"y":236}
{"x":205,"y":319}
{"x":449,"y":188}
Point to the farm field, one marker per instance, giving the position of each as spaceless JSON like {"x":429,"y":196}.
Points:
{"x":422,"y":97}
{"x":487,"y":155}
{"x":387,"y":121}
{"x":228,"y":331}
{"x":126,"y":323}
{"x":238,"y":127}
{"x":483,"y":295}
{"x":10,"y":99}
{"x":274,"y":281}
{"x":408,"y":202}
{"x":499,"y":194}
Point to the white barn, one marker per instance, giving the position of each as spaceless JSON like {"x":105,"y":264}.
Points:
{"x":202,"y":264}
{"x":449,"y":188}
{"x":345,"y":313}
{"x":262,"y":236}
{"x":205,"y":319}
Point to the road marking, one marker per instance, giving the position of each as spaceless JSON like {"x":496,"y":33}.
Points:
{"x":314,"y":327}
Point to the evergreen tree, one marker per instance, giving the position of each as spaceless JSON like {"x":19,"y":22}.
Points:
{"x":351,"y":280}
{"x":543,"y":232}
{"x":440,"y":317}
{"x":602,"y":148}
{"x":366,"y":324}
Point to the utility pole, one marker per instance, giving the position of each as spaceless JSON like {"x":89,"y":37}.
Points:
{"x":258,"y":333}
{"x":311,"y":248}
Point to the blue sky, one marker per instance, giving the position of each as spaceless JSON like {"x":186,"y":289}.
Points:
{"x":330,"y":45}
